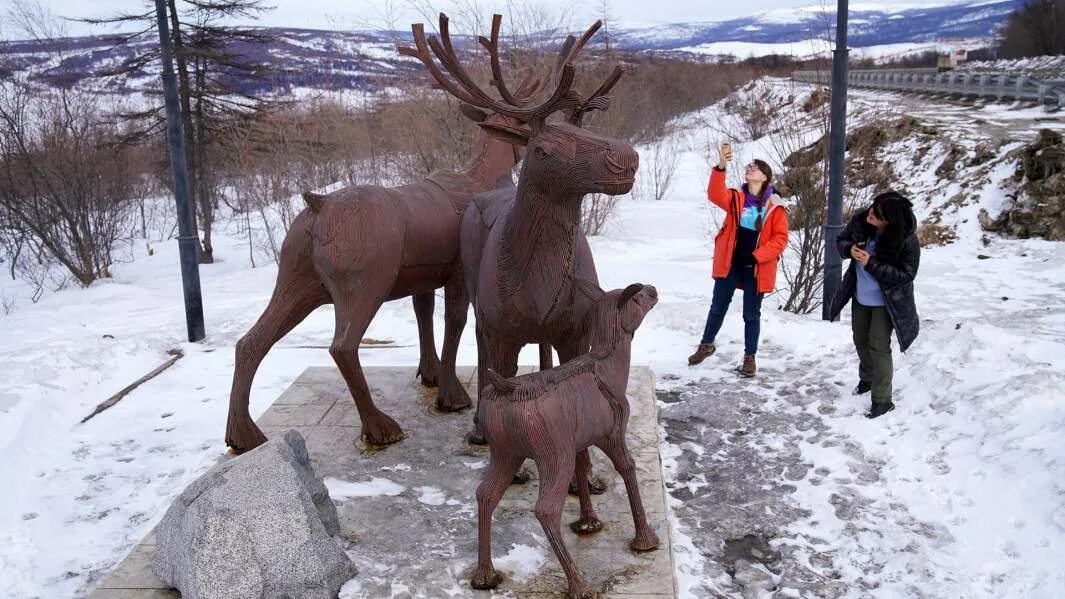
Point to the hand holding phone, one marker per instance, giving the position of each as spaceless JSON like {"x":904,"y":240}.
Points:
{"x":724,"y":154}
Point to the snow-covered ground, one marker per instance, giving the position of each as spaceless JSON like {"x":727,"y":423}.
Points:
{"x":975,"y":450}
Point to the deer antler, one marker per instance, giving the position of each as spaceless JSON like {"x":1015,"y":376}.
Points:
{"x":572,"y":47}
{"x":599,"y":100}
{"x":492,"y":45}
{"x":462,"y":86}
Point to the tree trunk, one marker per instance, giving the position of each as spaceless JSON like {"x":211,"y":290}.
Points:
{"x":185,"y":98}
{"x":203,"y":193}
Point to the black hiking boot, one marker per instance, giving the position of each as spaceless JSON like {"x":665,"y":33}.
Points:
{"x":863,"y":387}
{"x":704,"y":351}
{"x":879,"y":409}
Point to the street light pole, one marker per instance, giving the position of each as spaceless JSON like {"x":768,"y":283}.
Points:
{"x":837,"y":145}
{"x":190,"y":269}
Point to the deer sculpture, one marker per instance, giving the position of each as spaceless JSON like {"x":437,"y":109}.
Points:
{"x":364,"y":245}
{"x":522,"y":247}
{"x":552,"y":417}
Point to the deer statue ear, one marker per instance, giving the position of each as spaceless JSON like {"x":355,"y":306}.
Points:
{"x":588,"y":289}
{"x":629,"y":293}
{"x":473,"y":113}
{"x":512,"y":135}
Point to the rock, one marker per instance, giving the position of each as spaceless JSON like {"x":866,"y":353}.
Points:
{"x":258,"y":526}
{"x":1038,"y":210}
{"x":949,"y":167}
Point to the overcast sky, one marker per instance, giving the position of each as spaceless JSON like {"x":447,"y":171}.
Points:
{"x":360,"y":14}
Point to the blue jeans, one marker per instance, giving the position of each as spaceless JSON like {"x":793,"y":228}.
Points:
{"x":740,"y":277}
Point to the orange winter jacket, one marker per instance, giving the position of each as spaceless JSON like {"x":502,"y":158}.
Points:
{"x":771,"y":240}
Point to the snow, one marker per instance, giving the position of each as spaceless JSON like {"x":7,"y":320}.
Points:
{"x":813,"y":48}
{"x":522,"y":562}
{"x":375,"y":487}
{"x":974,"y":454}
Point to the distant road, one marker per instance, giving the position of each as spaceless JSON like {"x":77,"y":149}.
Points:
{"x":997,"y":86}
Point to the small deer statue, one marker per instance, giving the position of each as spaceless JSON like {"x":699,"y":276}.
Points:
{"x":552,"y":417}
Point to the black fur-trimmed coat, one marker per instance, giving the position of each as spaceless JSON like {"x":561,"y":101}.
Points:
{"x":895,"y":265}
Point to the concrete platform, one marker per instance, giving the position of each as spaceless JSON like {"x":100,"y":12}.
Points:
{"x":408,"y":511}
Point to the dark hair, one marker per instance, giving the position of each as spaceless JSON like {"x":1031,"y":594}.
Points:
{"x":766,"y":190}
{"x":892,"y":207}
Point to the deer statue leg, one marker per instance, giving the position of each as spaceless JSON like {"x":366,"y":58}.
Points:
{"x":295,"y":296}
{"x":556,"y":465}
{"x":615,"y":449}
{"x":428,"y":364}
{"x":566,"y":352}
{"x":451,"y":395}
{"x":501,"y":468}
{"x":545,"y":356}
{"x":588,"y":523}
{"x":502,"y":359}
{"x":354,"y":311}
{"x":476,"y":436}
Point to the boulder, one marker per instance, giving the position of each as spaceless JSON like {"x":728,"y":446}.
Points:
{"x":257,"y":526}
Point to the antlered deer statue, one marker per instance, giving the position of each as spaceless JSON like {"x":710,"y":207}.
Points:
{"x":364,"y":245}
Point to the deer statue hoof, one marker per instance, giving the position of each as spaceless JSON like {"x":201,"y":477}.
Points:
{"x":586,"y":527}
{"x":476,"y":437}
{"x":381,"y":431}
{"x":485,"y":578}
{"x":452,"y":397}
{"x":580,"y":590}
{"x":429,"y":376}
{"x":244,"y":436}
{"x":644,"y":542}
{"x":596,"y":486}
{"x":521,"y":477}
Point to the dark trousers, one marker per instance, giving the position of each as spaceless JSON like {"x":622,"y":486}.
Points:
{"x":740,"y":277}
{"x":871,"y":326}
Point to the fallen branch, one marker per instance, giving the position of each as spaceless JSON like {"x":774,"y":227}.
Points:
{"x":176,"y":354}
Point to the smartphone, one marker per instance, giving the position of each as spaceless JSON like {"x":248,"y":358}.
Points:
{"x":860,"y":245}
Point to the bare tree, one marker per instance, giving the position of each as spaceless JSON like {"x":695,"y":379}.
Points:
{"x":214,"y":84}
{"x":1034,"y":29}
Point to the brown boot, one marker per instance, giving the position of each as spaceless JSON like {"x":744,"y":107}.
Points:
{"x":748,"y":368}
{"x":704,"y":351}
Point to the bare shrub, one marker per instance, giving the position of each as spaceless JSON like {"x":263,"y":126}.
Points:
{"x":66,"y":183}
{"x":658,"y":165}
{"x":596,"y":211}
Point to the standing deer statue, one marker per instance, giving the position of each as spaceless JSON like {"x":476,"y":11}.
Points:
{"x":552,"y":417}
{"x":364,"y":245}
{"x":522,"y":247}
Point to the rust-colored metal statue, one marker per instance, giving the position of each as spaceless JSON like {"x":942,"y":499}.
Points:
{"x":364,"y":245}
{"x":552,"y":417}
{"x":521,"y":247}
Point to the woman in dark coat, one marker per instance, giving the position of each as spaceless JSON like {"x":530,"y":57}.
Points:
{"x":881,"y":242}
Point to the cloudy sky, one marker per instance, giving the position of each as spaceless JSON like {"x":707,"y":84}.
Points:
{"x":360,"y":14}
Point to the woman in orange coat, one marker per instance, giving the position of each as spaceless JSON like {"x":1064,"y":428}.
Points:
{"x":746,"y":253}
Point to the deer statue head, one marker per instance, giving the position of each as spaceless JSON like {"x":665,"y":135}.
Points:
{"x":560,"y":157}
{"x":618,"y":313}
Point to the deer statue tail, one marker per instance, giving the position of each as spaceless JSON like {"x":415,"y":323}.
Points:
{"x":500,"y":384}
{"x":314,"y":201}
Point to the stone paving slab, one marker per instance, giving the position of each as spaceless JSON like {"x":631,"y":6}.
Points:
{"x":409,"y":519}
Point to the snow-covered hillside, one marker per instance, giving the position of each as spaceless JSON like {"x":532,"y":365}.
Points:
{"x":959,"y":492}
{"x":367,"y":61}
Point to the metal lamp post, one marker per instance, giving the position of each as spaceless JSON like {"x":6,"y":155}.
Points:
{"x":837,"y":145}
{"x":190,"y":270}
